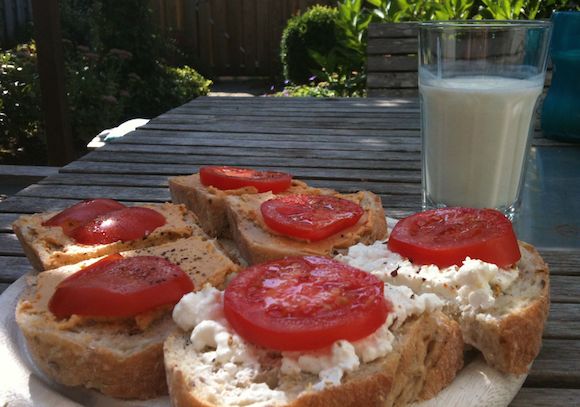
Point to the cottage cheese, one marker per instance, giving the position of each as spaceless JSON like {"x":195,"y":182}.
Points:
{"x":238,"y":361}
{"x":472,"y":285}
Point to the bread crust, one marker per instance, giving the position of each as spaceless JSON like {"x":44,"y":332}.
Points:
{"x":511,"y":342}
{"x":425,"y":347}
{"x":72,"y":362}
{"x":257,"y":243}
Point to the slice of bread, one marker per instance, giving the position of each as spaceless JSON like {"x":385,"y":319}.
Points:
{"x":508,"y":330}
{"x":258,"y":243}
{"x":209,"y":204}
{"x":47,"y":247}
{"x":427,"y":353}
{"x":120,"y":358}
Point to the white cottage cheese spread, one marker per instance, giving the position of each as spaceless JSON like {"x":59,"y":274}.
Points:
{"x":238,"y":361}
{"x":471,"y":285}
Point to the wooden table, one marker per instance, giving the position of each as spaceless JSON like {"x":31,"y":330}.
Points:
{"x":346,"y":144}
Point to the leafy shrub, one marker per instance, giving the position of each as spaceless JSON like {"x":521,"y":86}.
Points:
{"x":116,"y":67}
{"x":20,"y":114}
{"x":312,"y":31}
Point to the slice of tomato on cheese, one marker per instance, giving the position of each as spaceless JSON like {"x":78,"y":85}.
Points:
{"x":447,"y":236}
{"x":82,"y":212}
{"x":120,"y":287}
{"x":122,"y":225}
{"x":226,"y":178}
{"x":310,"y":217}
{"x":303,"y":303}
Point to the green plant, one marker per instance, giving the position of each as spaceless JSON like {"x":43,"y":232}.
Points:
{"x":116,"y":67}
{"x":317,"y":90}
{"x":312,"y":31}
{"x":20,"y":115}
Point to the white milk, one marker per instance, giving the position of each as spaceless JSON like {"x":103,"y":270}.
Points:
{"x":475,"y":132}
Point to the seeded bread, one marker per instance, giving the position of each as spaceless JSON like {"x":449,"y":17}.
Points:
{"x":209,"y":204}
{"x":47,"y":247}
{"x":257,"y":243}
{"x":510,"y":334}
{"x":428,"y":351}
{"x":507,"y":329}
{"x":121,"y":358}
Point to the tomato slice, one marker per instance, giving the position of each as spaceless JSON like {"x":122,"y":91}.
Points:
{"x":445,"y":237}
{"x":224,"y":178}
{"x":310,"y":217}
{"x":303,"y":303}
{"x":124,"y":224}
{"x":120,"y":287}
{"x":82,"y":212}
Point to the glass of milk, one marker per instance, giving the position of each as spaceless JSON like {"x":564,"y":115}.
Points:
{"x":479,"y":84}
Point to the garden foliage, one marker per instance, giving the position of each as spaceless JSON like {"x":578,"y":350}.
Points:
{"x":117,"y":67}
{"x":340,"y":67}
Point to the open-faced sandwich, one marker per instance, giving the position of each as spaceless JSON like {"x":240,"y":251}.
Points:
{"x":101,"y":323}
{"x":330,"y":313}
{"x":496,"y":287}
{"x":269,"y":216}
{"x":98,"y":227}
{"x":309,"y":331}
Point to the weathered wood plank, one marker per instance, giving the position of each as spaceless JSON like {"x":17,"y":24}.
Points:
{"x":382,"y":92}
{"x":556,"y":365}
{"x":394,"y":63}
{"x":208,"y":151}
{"x":6,"y":220}
{"x":393,"y":46}
{"x":198,"y":160}
{"x":565,"y":289}
{"x":390,"y":30}
{"x":546,"y":397}
{"x":300,"y":172}
{"x":9,"y":245}
{"x":563,"y":322}
{"x":358,"y":136}
{"x":97,"y":191}
{"x":389,"y":80}
{"x":12,"y":268}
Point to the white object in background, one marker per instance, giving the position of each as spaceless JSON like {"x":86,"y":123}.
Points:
{"x":116,"y":132}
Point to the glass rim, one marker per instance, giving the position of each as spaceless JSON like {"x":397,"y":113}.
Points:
{"x":485,"y":24}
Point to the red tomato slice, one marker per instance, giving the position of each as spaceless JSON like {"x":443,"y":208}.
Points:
{"x":302,"y":303}
{"x":82,"y":212}
{"x":225,"y":178}
{"x":445,"y":237}
{"x":120,"y":287}
{"x":311,"y":217}
{"x":124,"y":224}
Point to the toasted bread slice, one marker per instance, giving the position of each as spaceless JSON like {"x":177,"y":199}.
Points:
{"x":48,"y":247}
{"x":258,"y":243}
{"x":122,"y":358}
{"x":508,"y":330}
{"x":209,"y":204}
{"x":427,"y":353}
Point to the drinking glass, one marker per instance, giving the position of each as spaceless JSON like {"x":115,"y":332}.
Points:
{"x":479,"y":83}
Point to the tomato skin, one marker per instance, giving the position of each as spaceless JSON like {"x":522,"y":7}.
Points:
{"x":226,"y":178}
{"x":445,"y":237}
{"x":120,"y":287}
{"x":82,"y":212}
{"x":122,"y":225}
{"x":310,"y":217}
{"x":304,"y":303}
